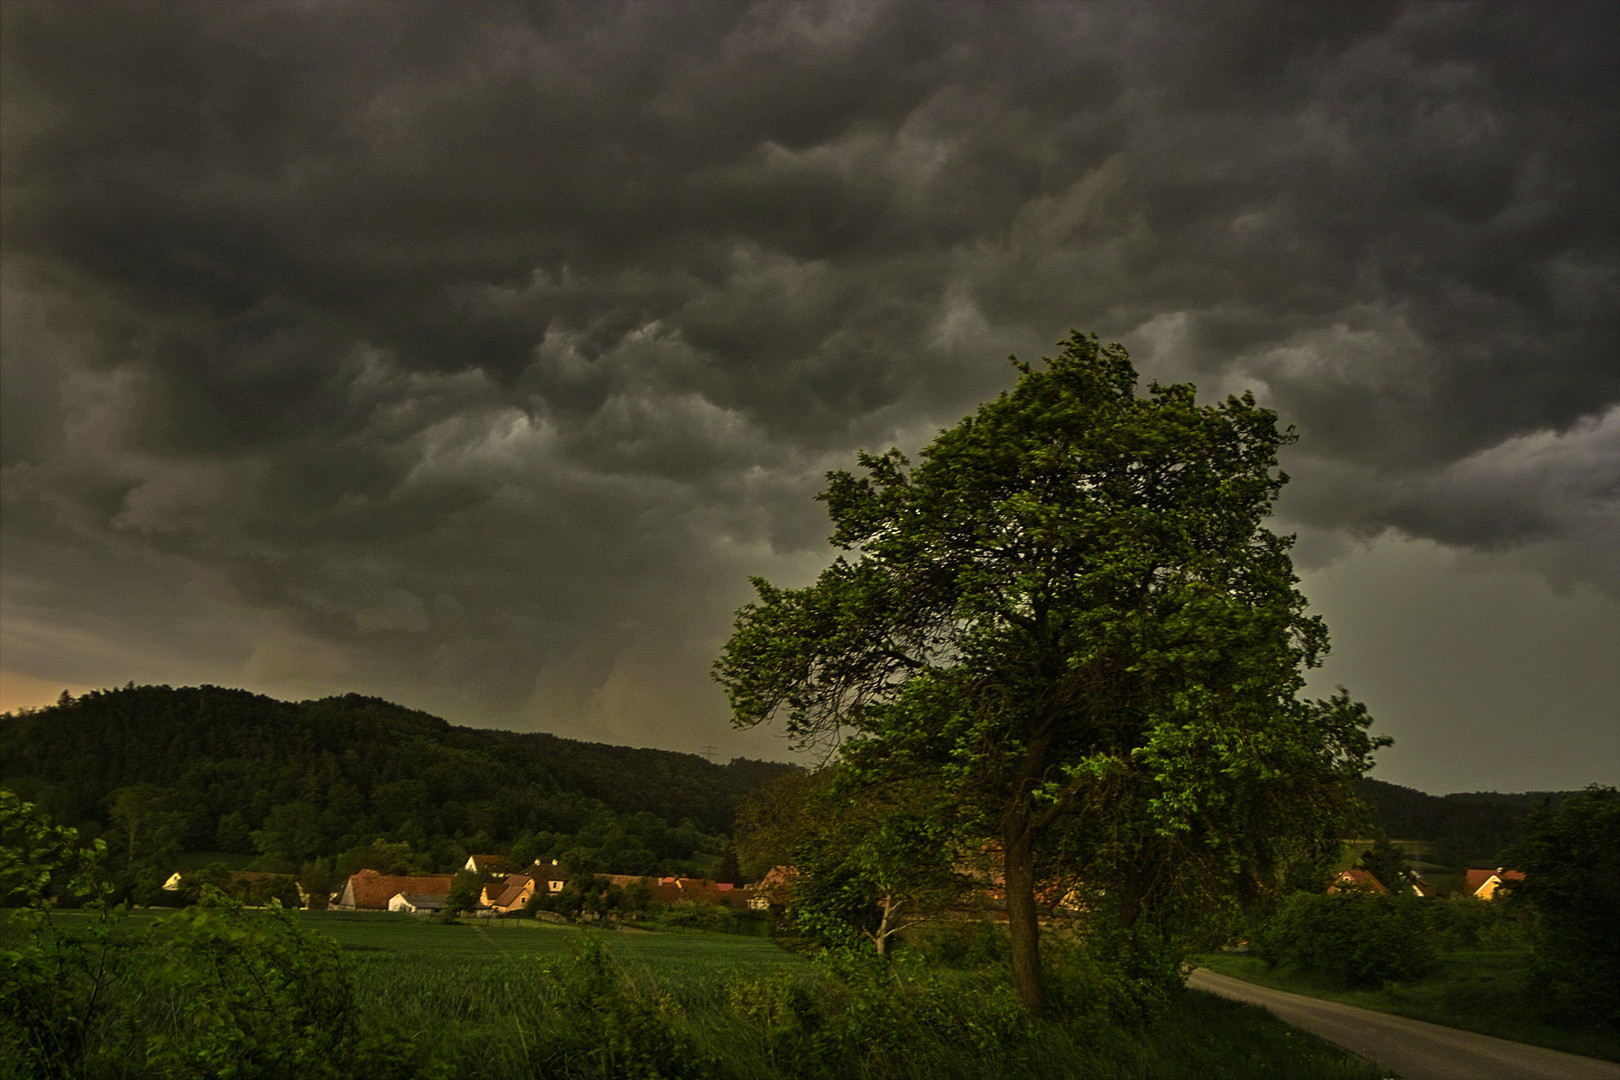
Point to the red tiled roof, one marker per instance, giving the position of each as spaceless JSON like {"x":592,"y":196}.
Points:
{"x":372,"y":891}
{"x":1357,"y":878}
{"x":1476,"y":879}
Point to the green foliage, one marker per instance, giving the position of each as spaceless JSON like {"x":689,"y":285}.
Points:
{"x":466,"y":889}
{"x":1570,"y":858}
{"x":53,"y":986}
{"x":1462,"y":922}
{"x":1360,"y":938}
{"x":714,"y":918}
{"x":214,"y":991}
{"x":255,"y":996}
{"x":1070,"y":626}
{"x":612,"y":1030}
{"x":1387,"y":863}
{"x":870,"y":860}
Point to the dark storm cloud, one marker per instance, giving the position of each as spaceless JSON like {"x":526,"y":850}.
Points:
{"x":476,"y":354}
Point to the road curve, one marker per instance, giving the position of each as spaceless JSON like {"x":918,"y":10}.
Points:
{"x":1413,"y":1049}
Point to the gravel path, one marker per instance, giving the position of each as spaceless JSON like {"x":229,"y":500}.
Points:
{"x":1411,"y":1048}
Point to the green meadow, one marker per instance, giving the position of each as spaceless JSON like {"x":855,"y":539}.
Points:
{"x":423,"y":998}
{"x":503,"y":997}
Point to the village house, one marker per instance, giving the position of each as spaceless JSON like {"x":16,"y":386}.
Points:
{"x":418,"y":903}
{"x":547,"y":876}
{"x":370,"y":891}
{"x":1482,"y":884}
{"x":509,"y":895}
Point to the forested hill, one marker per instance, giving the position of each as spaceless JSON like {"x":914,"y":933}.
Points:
{"x":228,"y":770}
{"x":1467,"y":827}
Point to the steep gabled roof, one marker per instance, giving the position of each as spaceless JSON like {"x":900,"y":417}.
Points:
{"x":1484,"y":883}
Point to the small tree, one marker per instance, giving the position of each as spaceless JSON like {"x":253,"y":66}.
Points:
{"x":466,"y":890}
{"x":1387,"y":863}
{"x":1070,"y":620}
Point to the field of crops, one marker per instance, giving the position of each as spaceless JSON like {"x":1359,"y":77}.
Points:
{"x":485,"y":998}
{"x":225,"y":991}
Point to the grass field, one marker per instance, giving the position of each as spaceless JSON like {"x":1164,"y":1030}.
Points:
{"x":480,"y":991}
{"x":522,"y":998}
{"x":1476,"y":990}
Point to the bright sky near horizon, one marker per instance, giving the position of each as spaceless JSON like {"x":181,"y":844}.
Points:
{"x":474,"y":356}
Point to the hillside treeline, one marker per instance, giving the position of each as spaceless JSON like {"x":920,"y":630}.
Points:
{"x":1476,"y":827}
{"x":355,"y":780}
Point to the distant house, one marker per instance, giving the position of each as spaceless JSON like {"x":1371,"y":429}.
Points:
{"x":510,"y":894}
{"x":370,"y":891}
{"x":1482,"y":884}
{"x":1355,"y":879}
{"x":548,"y":877}
{"x":488,"y":865}
{"x":418,"y":903}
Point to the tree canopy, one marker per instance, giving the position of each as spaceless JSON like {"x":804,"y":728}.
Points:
{"x":1071,"y":620}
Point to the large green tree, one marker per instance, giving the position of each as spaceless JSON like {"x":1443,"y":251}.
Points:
{"x":1071,"y":618}
{"x":1570,"y":858}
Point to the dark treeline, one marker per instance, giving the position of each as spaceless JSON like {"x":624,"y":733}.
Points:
{"x":159,"y":771}
{"x":1476,"y":827}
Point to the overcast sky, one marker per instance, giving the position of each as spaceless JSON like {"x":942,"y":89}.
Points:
{"x":475,"y":355}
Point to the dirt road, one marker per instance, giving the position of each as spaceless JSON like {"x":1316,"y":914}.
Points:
{"x":1411,"y":1048}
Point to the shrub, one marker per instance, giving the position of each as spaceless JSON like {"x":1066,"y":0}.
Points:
{"x":608,"y":1029}
{"x":1571,"y":863}
{"x":255,"y":995}
{"x":1359,"y":938}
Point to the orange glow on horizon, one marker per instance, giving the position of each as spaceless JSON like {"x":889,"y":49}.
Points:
{"x":25,"y":691}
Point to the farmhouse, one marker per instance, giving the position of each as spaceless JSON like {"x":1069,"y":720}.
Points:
{"x":370,"y":891}
{"x":418,"y":903}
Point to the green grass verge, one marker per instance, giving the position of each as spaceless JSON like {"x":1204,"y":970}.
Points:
{"x":1475,"y":990}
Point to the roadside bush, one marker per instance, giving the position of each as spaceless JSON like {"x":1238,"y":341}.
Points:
{"x":1359,"y":938}
{"x":1462,"y":922}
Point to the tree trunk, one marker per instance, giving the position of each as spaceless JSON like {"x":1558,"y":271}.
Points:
{"x":1022,"y":923}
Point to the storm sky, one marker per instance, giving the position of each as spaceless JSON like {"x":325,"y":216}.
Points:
{"x":476,"y":355}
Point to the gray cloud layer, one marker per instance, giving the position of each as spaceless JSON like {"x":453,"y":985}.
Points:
{"x":476,"y":354}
